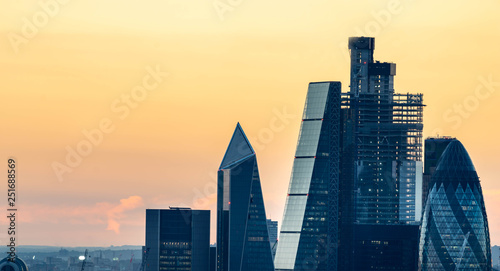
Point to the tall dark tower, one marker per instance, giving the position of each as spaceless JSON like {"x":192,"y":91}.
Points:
{"x":309,"y":231}
{"x":454,"y":233}
{"x":388,"y":131}
{"x":242,"y":234}
{"x":381,"y":167}
{"x":361,"y":56}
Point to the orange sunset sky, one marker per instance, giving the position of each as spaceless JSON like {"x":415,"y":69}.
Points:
{"x":68,"y":67}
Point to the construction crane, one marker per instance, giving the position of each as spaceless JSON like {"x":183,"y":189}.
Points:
{"x":118,"y":261}
{"x":86,"y":255}
{"x":130,"y":263}
{"x":144,"y":259}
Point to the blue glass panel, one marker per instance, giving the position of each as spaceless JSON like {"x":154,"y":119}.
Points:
{"x":308,"y":138}
{"x":316,"y":101}
{"x":294,"y":213}
{"x":301,"y":176}
{"x":287,"y":251}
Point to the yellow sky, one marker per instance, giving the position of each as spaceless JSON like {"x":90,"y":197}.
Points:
{"x":248,"y":61}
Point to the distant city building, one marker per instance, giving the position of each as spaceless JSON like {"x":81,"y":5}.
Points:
{"x":495,"y":257}
{"x":272,"y":228}
{"x":242,"y":235}
{"x":177,"y":239}
{"x":308,"y":236}
{"x":386,"y":247}
{"x":454,"y":233}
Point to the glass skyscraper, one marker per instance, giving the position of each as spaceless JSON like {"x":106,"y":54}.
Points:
{"x":242,"y":234}
{"x":454,"y":233}
{"x":308,"y":236}
{"x":177,"y":239}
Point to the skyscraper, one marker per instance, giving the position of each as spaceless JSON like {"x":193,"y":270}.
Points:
{"x":454,"y":233}
{"x":177,"y":239}
{"x":380,"y":165}
{"x":358,"y":164}
{"x":387,"y":130}
{"x":242,"y":235}
{"x":308,"y":236}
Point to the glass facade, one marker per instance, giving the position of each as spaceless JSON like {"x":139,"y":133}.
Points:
{"x":309,"y":228}
{"x":242,"y":233}
{"x":454,"y":233}
{"x":177,"y":239}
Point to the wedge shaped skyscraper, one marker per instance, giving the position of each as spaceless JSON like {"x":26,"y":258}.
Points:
{"x":242,"y":234}
{"x":454,"y":233}
{"x":309,"y":231}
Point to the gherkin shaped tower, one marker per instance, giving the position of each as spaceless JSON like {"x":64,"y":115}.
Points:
{"x":454,"y":233}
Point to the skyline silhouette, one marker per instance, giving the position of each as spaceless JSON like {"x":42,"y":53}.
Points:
{"x":162,"y":146}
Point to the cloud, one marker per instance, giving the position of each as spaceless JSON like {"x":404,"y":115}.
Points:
{"x":102,"y":213}
{"x":117,"y":212}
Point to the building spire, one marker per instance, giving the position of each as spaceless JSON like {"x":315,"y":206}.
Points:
{"x":239,"y":148}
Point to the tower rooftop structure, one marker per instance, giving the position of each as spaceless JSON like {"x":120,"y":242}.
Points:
{"x":239,"y":148}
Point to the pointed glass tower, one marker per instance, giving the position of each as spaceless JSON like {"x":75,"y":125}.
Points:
{"x":242,"y":235}
{"x":454,"y":233}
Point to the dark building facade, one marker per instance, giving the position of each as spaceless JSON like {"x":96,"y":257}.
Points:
{"x":454,"y":233}
{"x":386,"y":247}
{"x":434,"y":148}
{"x":213,"y":258}
{"x":242,"y":234}
{"x":177,"y":239}
{"x":309,"y":231}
